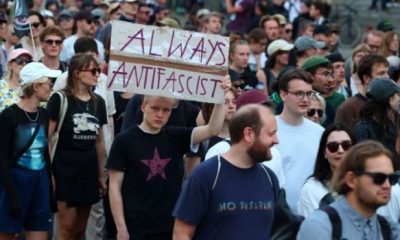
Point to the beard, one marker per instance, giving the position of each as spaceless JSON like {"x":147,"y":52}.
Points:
{"x":259,"y":152}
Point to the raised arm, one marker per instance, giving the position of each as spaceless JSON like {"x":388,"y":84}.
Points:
{"x":214,"y":126}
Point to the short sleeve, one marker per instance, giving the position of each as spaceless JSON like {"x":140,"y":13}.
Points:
{"x":53,"y":106}
{"x":118,"y":156}
{"x":192,"y":204}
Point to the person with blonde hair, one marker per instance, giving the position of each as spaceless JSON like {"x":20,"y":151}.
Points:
{"x":25,"y":178}
{"x":11,"y":81}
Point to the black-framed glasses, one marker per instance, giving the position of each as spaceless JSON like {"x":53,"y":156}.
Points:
{"x":239,"y":85}
{"x":326,"y":74}
{"x":379,"y":178}
{"x":92,"y":70}
{"x":301,"y":95}
{"x":53,"y":42}
{"x":334,"y":146}
{"x":22,"y":61}
{"x":311,"y":112}
{"x":36,"y":24}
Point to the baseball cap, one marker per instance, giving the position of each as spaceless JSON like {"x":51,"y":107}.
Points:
{"x":18,"y":52}
{"x":36,"y":70}
{"x":385,"y":26}
{"x":381,"y":89}
{"x":202,"y":12}
{"x":169,"y":22}
{"x":277,"y":45}
{"x":84,"y":15}
{"x":255,"y":96}
{"x":305,"y":42}
{"x":314,"y":61}
{"x":322,"y":29}
{"x":67,"y":13}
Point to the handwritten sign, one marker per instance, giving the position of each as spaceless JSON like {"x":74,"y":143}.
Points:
{"x":167,"y":62}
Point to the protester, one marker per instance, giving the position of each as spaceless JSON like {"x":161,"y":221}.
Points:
{"x":364,"y":179}
{"x":369,"y":68}
{"x":11,"y":82}
{"x":66,"y":21}
{"x":295,"y":89}
{"x":200,"y":212}
{"x":157,"y":152}
{"x":379,"y":116}
{"x":316,"y":110}
{"x":78,"y":164}
{"x":353,"y":81}
{"x":317,"y":191}
{"x":25,"y":178}
{"x":390,"y":44}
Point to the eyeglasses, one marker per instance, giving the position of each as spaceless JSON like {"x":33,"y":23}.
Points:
{"x":288,"y":30}
{"x":326,"y":74}
{"x":36,"y":24}
{"x":53,"y":42}
{"x":90,"y":21}
{"x":379,"y":178}
{"x":239,"y":85}
{"x":93,"y":71}
{"x":65,"y":18}
{"x":334,"y":146}
{"x":300,"y":95}
{"x":22,"y":61}
{"x":145,"y":12}
{"x":311,"y":112}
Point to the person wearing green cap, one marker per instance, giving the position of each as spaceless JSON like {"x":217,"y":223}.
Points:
{"x":321,"y":71}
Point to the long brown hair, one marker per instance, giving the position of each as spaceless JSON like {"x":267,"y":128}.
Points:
{"x":78,"y":62}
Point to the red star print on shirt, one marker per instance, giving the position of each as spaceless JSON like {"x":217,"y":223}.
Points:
{"x":156,"y":165}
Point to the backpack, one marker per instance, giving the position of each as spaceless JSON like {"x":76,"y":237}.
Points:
{"x":286,"y":224}
{"x":337,"y":224}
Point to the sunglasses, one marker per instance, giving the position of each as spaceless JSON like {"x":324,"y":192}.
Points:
{"x":93,"y":71}
{"x":22,"y":61}
{"x":379,"y":178}
{"x":90,"y":21}
{"x":311,"y":112}
{"x":334,"y":146}
{"x":65,"y":18}
{"x":53,"y":42}
{"x":288,"y":30}
{"x":36,"y":24}
{"x":241,"y":85}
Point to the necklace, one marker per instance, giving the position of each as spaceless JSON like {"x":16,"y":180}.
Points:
{"x":30,"y":119}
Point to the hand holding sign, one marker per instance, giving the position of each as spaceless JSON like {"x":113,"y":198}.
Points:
{"x":167,"y":62}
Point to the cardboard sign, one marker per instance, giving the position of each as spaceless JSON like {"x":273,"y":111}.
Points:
{"x":167,"y":62}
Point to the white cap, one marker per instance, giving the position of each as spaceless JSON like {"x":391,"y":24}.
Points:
{"x":277,"y":45}
{"x":36,"y":70}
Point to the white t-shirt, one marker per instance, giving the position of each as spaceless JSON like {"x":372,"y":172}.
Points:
{"x":310,"y":196}
{"x":107,"y":95}
{"x":68,"y":48}
{"x":275,"y":164}
{"x":298,"y":146}
{"x":392,"y":210}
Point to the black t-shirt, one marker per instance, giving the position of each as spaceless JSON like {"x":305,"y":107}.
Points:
{"x":153,"y":174}
{"x":82,"y":121}
{"x":75,"y":164}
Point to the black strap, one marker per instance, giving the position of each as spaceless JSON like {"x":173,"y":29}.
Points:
{"x":335,"y":222}
{"x":15,"y":158}
{"x":385,"y":227}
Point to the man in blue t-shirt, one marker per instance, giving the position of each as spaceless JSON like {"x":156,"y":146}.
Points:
{"x":231,"y":196}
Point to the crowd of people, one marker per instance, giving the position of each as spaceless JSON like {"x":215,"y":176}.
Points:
{"x":79,"y":160}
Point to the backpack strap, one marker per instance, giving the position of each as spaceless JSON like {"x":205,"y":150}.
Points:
{"x":218,"y":170}
{"x":335,"y":222}
{"x":385,"y":227}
